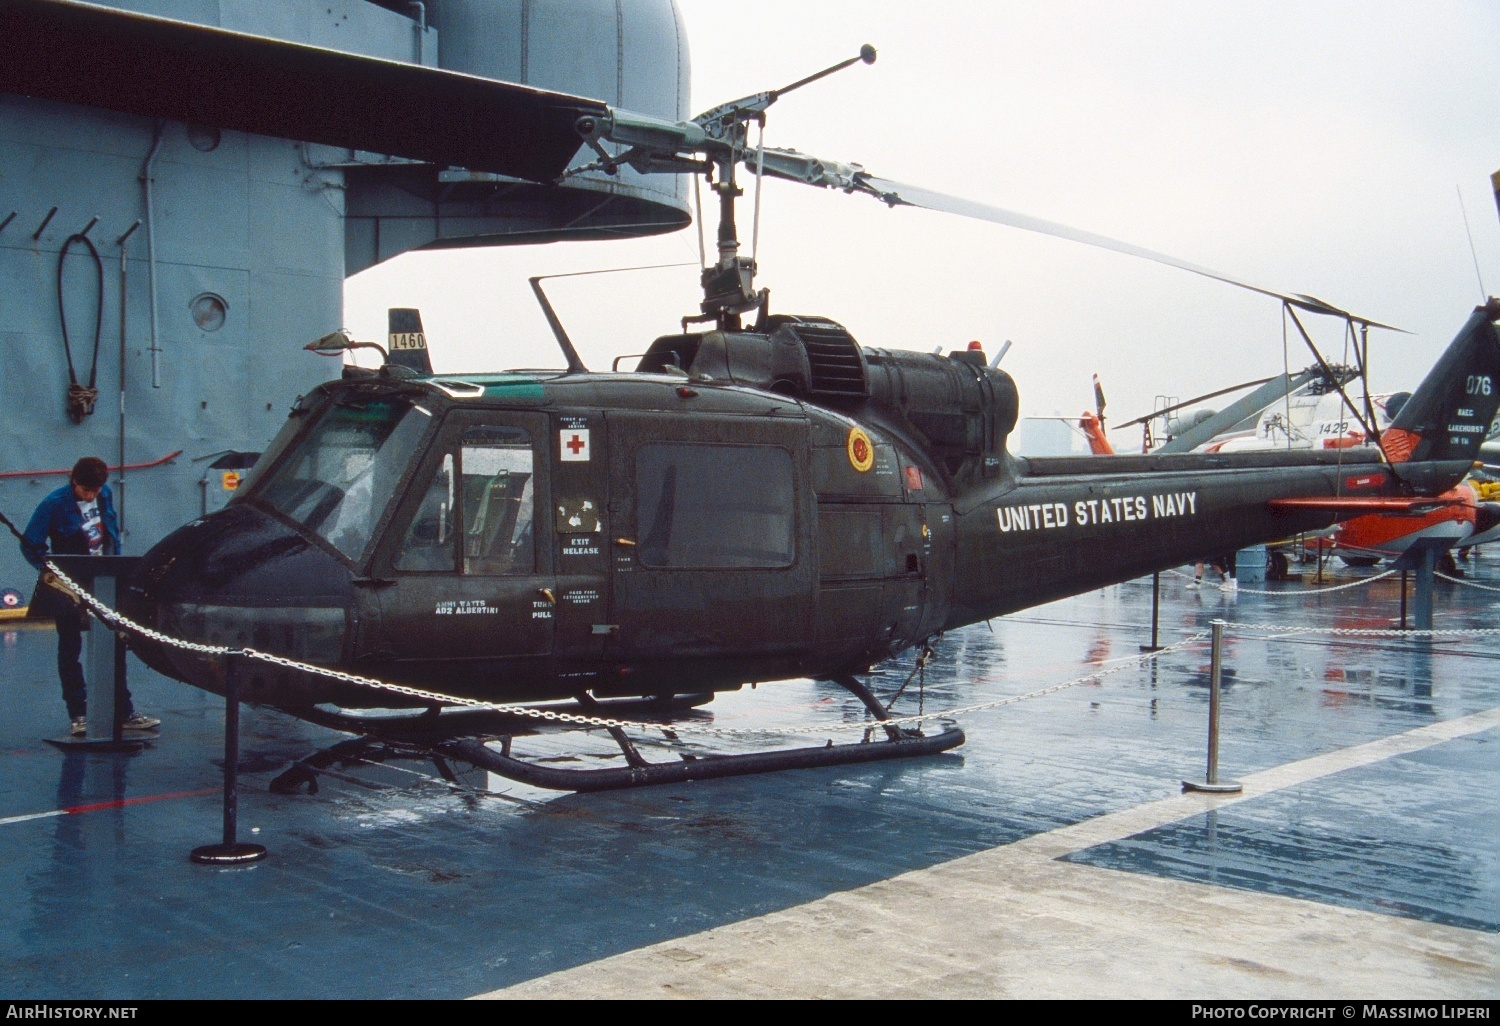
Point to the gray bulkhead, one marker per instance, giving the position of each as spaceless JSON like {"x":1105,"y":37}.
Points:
{"x":249,"y":238}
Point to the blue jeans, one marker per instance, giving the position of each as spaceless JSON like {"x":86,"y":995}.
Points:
{"x":69,"y":648}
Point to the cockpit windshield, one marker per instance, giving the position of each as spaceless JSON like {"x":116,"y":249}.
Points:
{"x":339,"y":479}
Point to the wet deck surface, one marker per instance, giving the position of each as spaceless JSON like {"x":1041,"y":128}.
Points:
{"x":391,"y":882}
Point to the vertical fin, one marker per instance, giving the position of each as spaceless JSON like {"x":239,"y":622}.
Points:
{"x":1449,"y":414}
{"x":407,"y":341}
{"x":1093,"y":429}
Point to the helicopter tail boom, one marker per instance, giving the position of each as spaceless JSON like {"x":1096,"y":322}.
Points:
{"x":1071,"y":524}
{"x":1068,"y":524}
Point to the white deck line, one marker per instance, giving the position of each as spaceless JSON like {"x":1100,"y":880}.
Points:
{"x":1015,"y":922}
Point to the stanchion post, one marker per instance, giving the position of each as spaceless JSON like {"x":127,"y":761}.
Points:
{"x":118,"y":687}
{"x":1155,"y":612}
{"x":1215,"y":688}
{"x":1211,"y":782}
{"x":1426,"y":568}
{"x":104,"y":657}
{"x":230,"y":852}
{"x":1403,"y":598}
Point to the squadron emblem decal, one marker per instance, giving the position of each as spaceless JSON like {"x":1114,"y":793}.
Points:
{"x":861,"y":452}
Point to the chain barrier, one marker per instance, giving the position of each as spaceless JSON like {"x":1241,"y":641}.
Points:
{"x":1306,"y":591}
{"x":1124,"y":663}
{"x":1466,"y":584}
{"x":1362,"y":632}
{"x":119,"y":621}
{"x":1323,"y":591}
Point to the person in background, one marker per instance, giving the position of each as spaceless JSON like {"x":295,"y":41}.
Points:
{"x":77,"y":519}
{"x":1223,"y":566}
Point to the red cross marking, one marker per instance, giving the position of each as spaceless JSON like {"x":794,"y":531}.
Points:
{"x":575,"y":445}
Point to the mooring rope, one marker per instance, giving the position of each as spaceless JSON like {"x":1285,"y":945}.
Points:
{"x":81,"y":398}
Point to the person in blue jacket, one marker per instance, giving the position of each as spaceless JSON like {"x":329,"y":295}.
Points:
{"x":77,"y":519}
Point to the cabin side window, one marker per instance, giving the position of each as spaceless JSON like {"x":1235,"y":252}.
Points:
{"x":497,"y":472}
{"x":714,"y":506}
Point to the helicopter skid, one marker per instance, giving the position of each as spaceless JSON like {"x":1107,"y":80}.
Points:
{"x":382,"y":746}
{"x":419,"y":737}
{"x":641,"y":773}
{"x":431,"y":736}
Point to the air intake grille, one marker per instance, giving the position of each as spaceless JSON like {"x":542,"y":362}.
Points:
{"x":836,"y":366}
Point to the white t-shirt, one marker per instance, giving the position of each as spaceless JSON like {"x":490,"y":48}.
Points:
{"x":93,"y":526}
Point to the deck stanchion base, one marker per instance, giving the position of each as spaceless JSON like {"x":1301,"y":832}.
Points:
{"x":227,"y":854}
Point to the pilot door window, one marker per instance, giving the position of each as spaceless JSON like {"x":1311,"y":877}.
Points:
{"x":488,"y":490}
{"x":714,"y":506}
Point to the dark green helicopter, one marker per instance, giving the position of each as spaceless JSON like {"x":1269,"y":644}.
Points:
{"x":748,"y":506}
{"x":760,"y":500}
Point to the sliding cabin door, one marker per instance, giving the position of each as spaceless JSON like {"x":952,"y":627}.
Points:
{"x":713,"y":565}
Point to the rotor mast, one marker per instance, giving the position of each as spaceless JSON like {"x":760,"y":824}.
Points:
{"x":655,"y":145}
{"x":729,"y":285}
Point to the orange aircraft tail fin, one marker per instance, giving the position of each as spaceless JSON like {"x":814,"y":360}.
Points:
{"x":1093,"y":430}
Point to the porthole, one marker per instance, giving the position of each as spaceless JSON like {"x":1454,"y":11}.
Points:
{"x":203,"y":137}
{"x":209,"y":311}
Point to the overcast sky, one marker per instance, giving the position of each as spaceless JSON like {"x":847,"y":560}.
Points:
{"x":1314,"y":147}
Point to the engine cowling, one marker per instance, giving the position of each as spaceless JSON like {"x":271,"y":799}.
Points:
{"x":956,"y":408}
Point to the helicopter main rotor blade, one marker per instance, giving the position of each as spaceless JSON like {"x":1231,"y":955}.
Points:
{"x":1251,"y":405}
{"x":810,"y":170}
{"x":156,"y":67}
{"x":897,"y":193}
{"x":1189,"y":402}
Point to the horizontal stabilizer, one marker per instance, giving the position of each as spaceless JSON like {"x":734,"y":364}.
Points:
{"x":1389,"y":507}
{"x":160,"y":68}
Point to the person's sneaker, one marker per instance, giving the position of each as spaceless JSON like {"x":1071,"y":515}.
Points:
{"x":1230,"y":584}
{"x":79,"y":728}
{"x":140,"y":722}
{"x":1194,"y":584}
